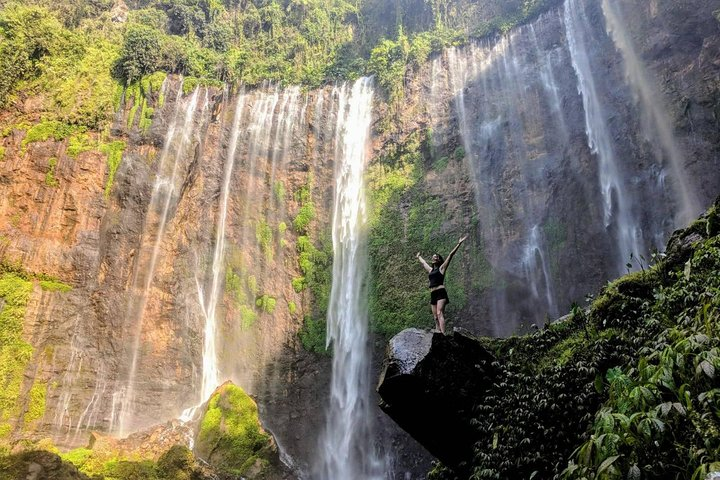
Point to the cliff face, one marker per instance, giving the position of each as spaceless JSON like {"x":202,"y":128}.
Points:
{"x":546,"y":144}
{"x":503,"y":152}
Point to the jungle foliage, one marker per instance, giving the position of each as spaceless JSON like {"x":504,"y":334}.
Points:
{"x":626,"y":389}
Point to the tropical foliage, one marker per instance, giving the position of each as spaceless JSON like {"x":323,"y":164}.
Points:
{"x":624,"y":390}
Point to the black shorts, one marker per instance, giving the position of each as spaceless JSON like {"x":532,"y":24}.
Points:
{"x":438,"y":294}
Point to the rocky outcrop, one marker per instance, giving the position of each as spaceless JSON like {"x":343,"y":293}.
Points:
{"x":38,"y":465}
{"x":429,"y":386}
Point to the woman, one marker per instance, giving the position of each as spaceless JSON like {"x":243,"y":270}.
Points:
{"x":438,"y":294}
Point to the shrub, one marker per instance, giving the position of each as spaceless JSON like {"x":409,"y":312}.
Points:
{"x":140,"y":54}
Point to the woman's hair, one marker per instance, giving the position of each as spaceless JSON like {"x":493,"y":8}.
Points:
{"x":440,"y":261}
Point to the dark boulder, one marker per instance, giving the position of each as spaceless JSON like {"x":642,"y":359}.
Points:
{"x":429,"y":386}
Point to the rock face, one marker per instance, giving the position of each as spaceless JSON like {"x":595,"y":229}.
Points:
{"x":429,"y":385}
{"x":563,"y":129}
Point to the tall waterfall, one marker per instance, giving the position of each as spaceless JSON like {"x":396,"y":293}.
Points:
{"x":210,"y":369}
{"x":346,"y":449}
{"x":656,"y":122}
{"x":616,"y":205}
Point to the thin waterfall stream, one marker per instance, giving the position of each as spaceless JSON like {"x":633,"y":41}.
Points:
{"x":164,"y":194}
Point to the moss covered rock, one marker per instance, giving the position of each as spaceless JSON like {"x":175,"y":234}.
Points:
{"x":231,"y":437}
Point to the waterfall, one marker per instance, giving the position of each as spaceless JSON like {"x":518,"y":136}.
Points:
{"x":164,"y":195}
{"x":657,"y":124}
{"x":210,"y":369}
{"x":346,"y":450}
{"x":617,"y":207}
{"x":537,"y":272}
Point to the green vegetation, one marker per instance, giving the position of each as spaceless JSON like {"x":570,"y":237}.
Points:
{"x":316,"y":266}
{"x":78,"y":144}
{"x":46,"y":130}
{"x":114,"y":151}
{"x":397,"y":288}
{"x":248,"y":316}
{"x":36,"y":404}
{"x":2,"y":153}
{"x":264,"y":237}
{"x":15,"y":352}
{"x":178,"y":463}
{"x":71,"y":67}
{"x":230,"y":436}
{"x":266,"y":303}
{"x":626,"y":389}
{"x":16,"y":286}
{"x":52,"y":285}
{"x":50,"y":179}
{"x":306,"y":213}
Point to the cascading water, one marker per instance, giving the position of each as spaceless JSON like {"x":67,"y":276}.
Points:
{"x":537,"y":272}
{"x":345,"y":449}
{"x":657,"y":123}
{"x":210,"y":369}
{"x":616,"y":207}
{"x":165,"y":191}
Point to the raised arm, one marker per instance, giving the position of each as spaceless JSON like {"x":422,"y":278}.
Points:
{"x":445,"y":264}
{"x":424,"y":263}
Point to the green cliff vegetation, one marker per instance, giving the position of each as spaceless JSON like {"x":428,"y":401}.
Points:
{"x":405,"y":219}
{"x":15,"y":352}
{"x":627,"y":389}
{"x":16,"y":286}
{"x":76,"y":52}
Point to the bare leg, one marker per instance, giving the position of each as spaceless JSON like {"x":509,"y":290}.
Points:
{"x":441,"y":314}
{"x":435,"y":316}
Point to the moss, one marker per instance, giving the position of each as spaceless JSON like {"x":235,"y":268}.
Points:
{"x":313,"y":335}
{"x":176,"y":464}
{"x":79,"y":143}
{"x":305,"y":215}
{"x":50,"y":179}
{"x":36,"y":404}
{"x":230,"y":435}
{"x":248,"y":317}
{"x":55,"y":286}
{"x":292,"y":308}
{"x":47,"y":130}
{"x":2,"y":153}
{"x":132,"y":115}
{"x":266,"y":303}
{"x":264,"y":237}
{"x":252,"y":284}
{"x":114,"y":151}
{"x":15,"y":353}
{"x":298,"y":284}
{"x":191,"y":83}
{"x":279,"y":191}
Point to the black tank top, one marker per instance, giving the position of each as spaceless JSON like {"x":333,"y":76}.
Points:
{"x":436,"y":278}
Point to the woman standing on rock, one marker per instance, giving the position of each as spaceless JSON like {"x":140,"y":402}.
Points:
{"x":438,"y":294}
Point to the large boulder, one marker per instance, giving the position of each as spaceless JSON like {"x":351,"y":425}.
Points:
{"x":231,"y":438}
{"x":429,"y":385}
